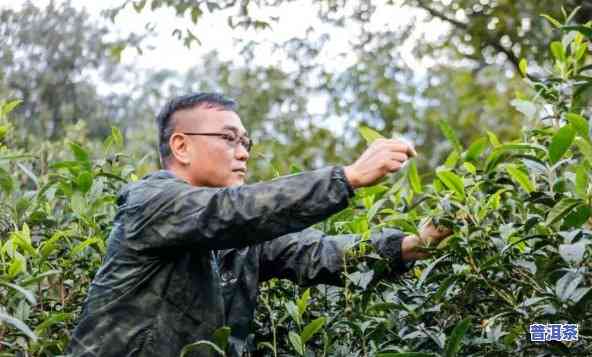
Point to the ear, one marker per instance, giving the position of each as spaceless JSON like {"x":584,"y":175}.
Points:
{"x":180,"y":148}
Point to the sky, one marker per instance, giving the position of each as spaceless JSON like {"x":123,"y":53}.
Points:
{"x":164,"y":51}
{"x":214,"y":33}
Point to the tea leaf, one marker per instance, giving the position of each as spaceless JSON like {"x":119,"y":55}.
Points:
{"x":561,"y":142}
{"x":18,"y":324}
{"x":221,"y":336}
{"x":296,"y":342}
{"x":413,"y":177}
{"x":453,"y":182}
{"x":9,"y":107}
{"x":303,"y":302}
{"x":493,"y":138}
{"x":567,"y":285}
{"x":552,"y":20}
{"x":428,"y":270}
{"x":455,"y":338}
{"x":579,"y":123}
{"x":50,"y":321}
{"x":476,"y":149}
{"x":558,"y":51}
{"x":450,"y":135}
{"x":573,"y":253}
{"x":311,"y":329}
{"x":585,"y":148}
{"x":584,"y":30}
{"x":195,"y":346}
{"x":520,"y":177}
{"x":561,"y":209}
{"x":6,"y":182}
{"x":582,"y":177}
{"x":26,"y":293}
{"x":369,"y":134}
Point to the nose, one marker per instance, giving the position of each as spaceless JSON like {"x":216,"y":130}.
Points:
{"x":241,"y":153}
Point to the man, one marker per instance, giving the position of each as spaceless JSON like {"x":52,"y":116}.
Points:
{"x":190,"y":244}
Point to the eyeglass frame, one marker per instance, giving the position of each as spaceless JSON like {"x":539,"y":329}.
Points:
{"x":235,"y":142}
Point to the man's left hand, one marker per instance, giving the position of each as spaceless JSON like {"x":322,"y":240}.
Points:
{"x":429,"y":236}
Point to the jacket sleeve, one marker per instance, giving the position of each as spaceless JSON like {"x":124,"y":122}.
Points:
{"x":310,"y":257}
{"x":175,"y":214}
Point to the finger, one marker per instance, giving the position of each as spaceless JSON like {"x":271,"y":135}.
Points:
{"x":399,"y":156}
{"x":393,"y":166}
{"x":410,"y":147}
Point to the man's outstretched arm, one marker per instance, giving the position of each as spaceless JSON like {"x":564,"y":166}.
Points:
{"x":312,"y":257}
{"x":170,"y":213}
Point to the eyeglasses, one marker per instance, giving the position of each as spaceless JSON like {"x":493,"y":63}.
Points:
{"x":231,"y":138}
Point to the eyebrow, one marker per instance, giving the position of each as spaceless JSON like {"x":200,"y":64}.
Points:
{"x":234,"y":129}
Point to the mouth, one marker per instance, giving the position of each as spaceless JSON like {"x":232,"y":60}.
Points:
{"x":243,"y":171}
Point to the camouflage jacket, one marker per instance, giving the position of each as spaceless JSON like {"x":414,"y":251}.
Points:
{"x":183,"y":261}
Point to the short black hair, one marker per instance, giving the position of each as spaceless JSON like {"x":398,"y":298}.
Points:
{"x":166,"y":125}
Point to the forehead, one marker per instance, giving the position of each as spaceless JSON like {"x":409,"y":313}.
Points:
{"x":208,"y":119}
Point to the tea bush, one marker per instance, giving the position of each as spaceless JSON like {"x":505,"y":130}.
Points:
{"x":520,"y":253}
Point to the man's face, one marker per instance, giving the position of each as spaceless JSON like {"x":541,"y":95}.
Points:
{"x":212,"y":161}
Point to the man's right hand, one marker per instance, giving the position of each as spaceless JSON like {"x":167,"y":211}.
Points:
{"x":382,"y":157}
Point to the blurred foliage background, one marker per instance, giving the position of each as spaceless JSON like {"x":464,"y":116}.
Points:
{"x":465,"y":74}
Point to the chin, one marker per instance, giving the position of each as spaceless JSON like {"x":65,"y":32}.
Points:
{"x":235,"y":183}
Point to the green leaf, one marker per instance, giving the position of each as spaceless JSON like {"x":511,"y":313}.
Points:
{"x":452,"y":159}
{"x":53,"y":319}
{"x":453,"y":182}
{"x":454,"y":340}
{"x":428,"y":269}
{"x":196,"y":346}
{"x":520,"y":147}
{"x":450,"y":135}
{"x":84,"y":181}
{"x":303,"y":302}
{"x":369,"y":134}
{"x":520,"y":177}
{"x":84,"y":244}
{"x":293,"y":312}
{"x":585,"y":148}
{"x":573,"y":253}
{"x":552,"y":20}
{"x":311,"y":329}
{"x":476,"y":149}
{"x":582,"y":177}
{"x":579,"y":123}
{"x":493,"y":139}
{"x":567,"y":285}
{"x":523,"y":66}
{"x":17,"y":265}
{"x":296,"y":342}
{"x":561,"y":209}
{"x":584,"y":30}
{"x":413,"y":177}
{"x":221,"y":336}
{"x":18,"y":324}
{"x":470,"y":167}
{"x":9,"y":107}
{"x":561,"y":142}
{"x":6,"y":182}
{"x":558,"y":51}
{"x":26,"y":293}
{"x":81,"y":155}
{"x":195,"y":14}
